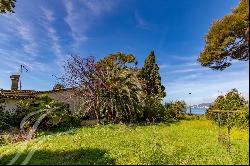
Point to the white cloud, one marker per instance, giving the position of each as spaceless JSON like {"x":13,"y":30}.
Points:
{"x":188,"y":67}
{"x":187,"y":70}
{"x":185,"y":58}
{"x":11,"y":60}
{"x":204,"y":85}
{"x":73,"y":19}
{"x":30,"y":46}
{"x":163,"y":66}
{"x":140,"y":21}
{"x":97,"y":7}
{"x":48,"y":14}
{"x":82,"y":14}
{"x":52,"y":34}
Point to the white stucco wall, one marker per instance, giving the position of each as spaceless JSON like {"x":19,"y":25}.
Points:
{"x":60,"y":96}
{"x":10,"y":105}
{"x":65,"y":96}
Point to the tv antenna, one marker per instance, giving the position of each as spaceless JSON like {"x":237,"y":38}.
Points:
{"x":21,"y":71}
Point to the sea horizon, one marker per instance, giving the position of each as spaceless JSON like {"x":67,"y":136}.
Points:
{"x":198,"y":111}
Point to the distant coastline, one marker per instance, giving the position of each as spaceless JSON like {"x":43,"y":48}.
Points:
{"x":201,"y":106}
{"x":198,"y":111}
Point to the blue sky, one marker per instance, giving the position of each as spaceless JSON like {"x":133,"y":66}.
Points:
{"x":42,"y":34}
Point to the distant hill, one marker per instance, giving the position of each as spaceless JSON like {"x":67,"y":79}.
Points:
{"x":202,"y":105}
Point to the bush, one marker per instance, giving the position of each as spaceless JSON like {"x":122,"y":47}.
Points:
{"x":242,"y":118}
{"x":194,"y":117}
{"x":3,"y":139}
{"x":57,"y":114}
{"x":5,"y":117}
{"x":175,"y":110}
{"x":231,"y":101}
{"x":5,"y":120}
{"x":155,"y":111}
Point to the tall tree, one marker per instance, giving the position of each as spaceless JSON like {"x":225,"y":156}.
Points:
{"x":227,"y":39}
{"x":7,"y":6}
{"x":150,"y":74}
{"x":233,"y":100}
{"x":108,"y":88}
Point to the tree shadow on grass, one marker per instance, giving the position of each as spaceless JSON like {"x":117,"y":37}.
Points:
{"x":89,"y":156}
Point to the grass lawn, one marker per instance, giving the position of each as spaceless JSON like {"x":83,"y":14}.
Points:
{"x":184,"y":142}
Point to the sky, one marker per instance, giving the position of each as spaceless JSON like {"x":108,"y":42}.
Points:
{"x":42,"y":34}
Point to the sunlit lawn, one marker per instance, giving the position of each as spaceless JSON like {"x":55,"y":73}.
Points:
{"x":185,"y":142}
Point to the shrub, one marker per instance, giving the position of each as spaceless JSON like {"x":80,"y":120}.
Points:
{"x":154,"y":110}
{"x":194,"y":117}
{"x":57,"y":113}
{"x":242,"y":118}
{"x":175,"y":110}
{"x":231,"y":101}
{"x":3,"y":139}
{"x":5,"y":117}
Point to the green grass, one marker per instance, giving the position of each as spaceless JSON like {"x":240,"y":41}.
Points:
{"x":185,"y":142}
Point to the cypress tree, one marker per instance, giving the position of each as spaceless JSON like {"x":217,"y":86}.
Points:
{"x":151,"y":76}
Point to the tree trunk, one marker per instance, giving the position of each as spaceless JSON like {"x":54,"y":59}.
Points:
{"x":97,"y":116}
{"x":246,"y":35}
{"x":219,"y":134}
{"x":228,"y":139}
{"x":228,"y":133}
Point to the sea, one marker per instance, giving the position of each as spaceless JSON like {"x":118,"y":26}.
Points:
{"x":198,"y":111}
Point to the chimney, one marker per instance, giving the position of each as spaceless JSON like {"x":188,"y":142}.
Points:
{"x":14,"y":81}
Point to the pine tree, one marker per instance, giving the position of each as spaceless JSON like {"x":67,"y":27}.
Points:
{"x":227,"y":39}
{"x":7,"y":6}
{"x":150,"y":75}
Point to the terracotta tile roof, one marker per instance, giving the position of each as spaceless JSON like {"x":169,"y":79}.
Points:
{"x":18,"y":94}
{"x":25,"y":94}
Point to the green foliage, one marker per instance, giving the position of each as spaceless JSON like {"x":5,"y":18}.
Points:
{"x":154,"y":110}
{"x":181,"y":143}
{"x":109,"y":88}
{"x":3,"y":140}
{"x":242,"y":118}
{"x":153,"y":89}
{"x":58,"y":86}
{"x":194,"y":117}
{"x":114,"y":90}
{"x":57,"y":114}
{"x":231,"y":101}
{"x":150,"y":75}
{"x":7,"y":6}
{"x":176,"y":110}
{"x":122,"y":92}
{"x":120,"y":59}
{"x":5,"y":117}
{"x":125,"y":91}
{"x":227,"y":39}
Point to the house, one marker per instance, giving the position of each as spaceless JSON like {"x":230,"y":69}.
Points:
{"x":13,"y":96}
